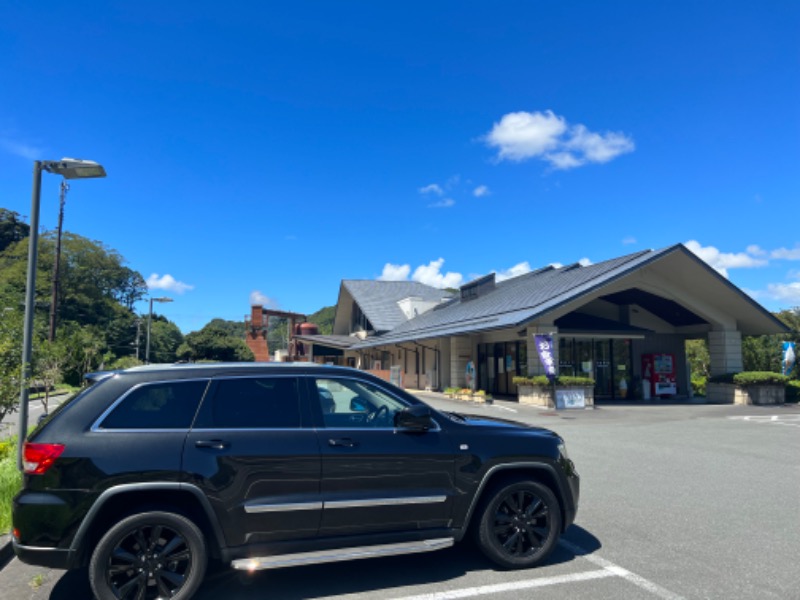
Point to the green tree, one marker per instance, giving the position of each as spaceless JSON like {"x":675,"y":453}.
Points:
{"x":323,"y":319}
{"x":10,"y":359}
{"x":698,"y":357}
{"x":49,"y":359}
{"x":165,"y":339}
{"x":214,"y":342}
{"x":12,"y":228}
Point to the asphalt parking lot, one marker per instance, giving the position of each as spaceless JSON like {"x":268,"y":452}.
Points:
{"x":678,"y":501}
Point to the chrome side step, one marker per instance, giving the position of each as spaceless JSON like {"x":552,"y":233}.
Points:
{"x":340,"y":554}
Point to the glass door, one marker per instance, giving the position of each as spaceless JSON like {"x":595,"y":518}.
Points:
{"x":603,"y":376}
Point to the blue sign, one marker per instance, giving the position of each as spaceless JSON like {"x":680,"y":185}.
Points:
{"x":544,"y":346}
{"x":787,"y":363}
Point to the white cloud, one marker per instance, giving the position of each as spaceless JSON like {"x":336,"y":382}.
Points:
{"x":21,"y":149}
{"x":786,"y":292}
{"x":168,"y":283}
{"x":523,"y":135}
{"x":443,"y":203}
{"x":259,"y":299}
{"x":480,"y":191}
{"x":430,"y":275}
{"x":433,"y":188}
{"x":755,"y":250}
{"x":515,"y":271}
{"x":786,"y":253}
{"x":629,"y":240}
{"x":584,"y":262}
{"x":395,"y":272}
{"x":722,"y":261}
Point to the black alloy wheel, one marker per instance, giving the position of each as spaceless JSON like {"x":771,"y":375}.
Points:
{"x":520,"y":525}
{"x":148,"y":556}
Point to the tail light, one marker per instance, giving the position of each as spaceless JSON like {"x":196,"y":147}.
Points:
{"x":37,"y":458}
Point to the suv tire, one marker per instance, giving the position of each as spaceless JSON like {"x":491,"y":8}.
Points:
{"x":519,"y":525}
{"x":149,"y":555}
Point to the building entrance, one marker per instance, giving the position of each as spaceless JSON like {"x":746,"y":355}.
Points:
{"x":607,"y":361}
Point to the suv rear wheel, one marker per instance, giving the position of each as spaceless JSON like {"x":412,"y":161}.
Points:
{"x":149,"y":555}
{"x":519,"y":525}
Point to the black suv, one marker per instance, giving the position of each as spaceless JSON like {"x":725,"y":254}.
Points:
{"x":151,"y":471}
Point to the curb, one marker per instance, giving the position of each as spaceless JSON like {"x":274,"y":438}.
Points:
{"x":6,"y":550}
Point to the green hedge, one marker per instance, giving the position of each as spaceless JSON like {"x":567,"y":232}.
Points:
{"x":699,"y":385}
{"x":746,"y":378}
{"x":543,"y":381}
{"x":793,"y":391}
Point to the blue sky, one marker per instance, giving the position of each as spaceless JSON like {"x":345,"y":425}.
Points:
{"x":272,"y":149}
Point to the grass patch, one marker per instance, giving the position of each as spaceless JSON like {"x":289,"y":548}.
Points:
{"x":10,"y":481}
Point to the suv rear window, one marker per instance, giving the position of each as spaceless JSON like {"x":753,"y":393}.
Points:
{"x":253,"y":403}
{"x":170,"y":405}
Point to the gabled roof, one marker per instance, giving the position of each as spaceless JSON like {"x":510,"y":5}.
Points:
{"x":378,"y":299}
{"x":517,"y":301}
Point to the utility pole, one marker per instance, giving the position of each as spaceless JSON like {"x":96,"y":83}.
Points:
{"x":136,"y":343}
{"x":57,"y":263}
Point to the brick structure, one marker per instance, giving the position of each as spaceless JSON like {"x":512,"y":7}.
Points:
{"x":256,"y":330}
{"x":256,"y":334}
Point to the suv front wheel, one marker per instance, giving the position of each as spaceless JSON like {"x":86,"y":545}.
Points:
{"x":149,"y":555}
{"x":519,"y":525}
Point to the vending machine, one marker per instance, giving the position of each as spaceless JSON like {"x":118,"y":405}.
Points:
{"x":658,"y":375}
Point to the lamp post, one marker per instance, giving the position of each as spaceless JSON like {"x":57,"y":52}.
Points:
{"x":68,"y":168}
{"x":149,"y":319}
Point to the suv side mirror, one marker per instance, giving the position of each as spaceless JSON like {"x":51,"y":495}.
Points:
{"x":414,"y":418}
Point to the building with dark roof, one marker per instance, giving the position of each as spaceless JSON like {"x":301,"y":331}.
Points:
{"x":604,"y":320}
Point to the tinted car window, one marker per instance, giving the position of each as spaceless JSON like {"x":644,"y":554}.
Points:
{"x":157,"y":406}
{"x":355,"y":403}
{"x":254,"y":403}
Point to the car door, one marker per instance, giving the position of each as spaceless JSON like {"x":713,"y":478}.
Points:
{"x":255,"y":456}
{"x":375,"y":478}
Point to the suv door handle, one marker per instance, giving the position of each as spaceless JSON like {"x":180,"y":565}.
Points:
{"x":343,"y":442}
{"x":213,"y":444}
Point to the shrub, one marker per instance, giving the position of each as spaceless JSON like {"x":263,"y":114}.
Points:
{"x":699,"y":385}
{"x":746,"y":378}
{"x":10,"y":481}
{"x":543,"y":381}
{"x":793,"y":391}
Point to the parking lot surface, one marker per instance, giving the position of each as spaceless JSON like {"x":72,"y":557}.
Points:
{"x":678,"y":501}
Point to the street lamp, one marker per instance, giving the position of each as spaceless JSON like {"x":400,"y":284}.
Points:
{"x":68,"y":168}
{"x":149,"y":319}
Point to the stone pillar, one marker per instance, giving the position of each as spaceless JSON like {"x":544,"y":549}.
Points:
{"x":725,"y":349}
{"x":460,"y":355}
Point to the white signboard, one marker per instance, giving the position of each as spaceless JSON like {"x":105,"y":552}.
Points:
{"x":570,"y":399}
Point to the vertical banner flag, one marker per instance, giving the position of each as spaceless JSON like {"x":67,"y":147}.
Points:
{"x":544,"y":346}
{"x":789,"y":359}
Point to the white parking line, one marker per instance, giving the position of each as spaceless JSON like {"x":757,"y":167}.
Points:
{"x":503,"y":408}
{"x":498,"y":588}
{"x":635,"y":579}
{"x":788,"y":420}
{"x":608,"y":569}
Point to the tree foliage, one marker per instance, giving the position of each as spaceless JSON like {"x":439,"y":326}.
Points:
{"x":215,"y":342}
{"x":12,"y":228}
{"x":10,"y":359}
{"x":323,"y":319}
